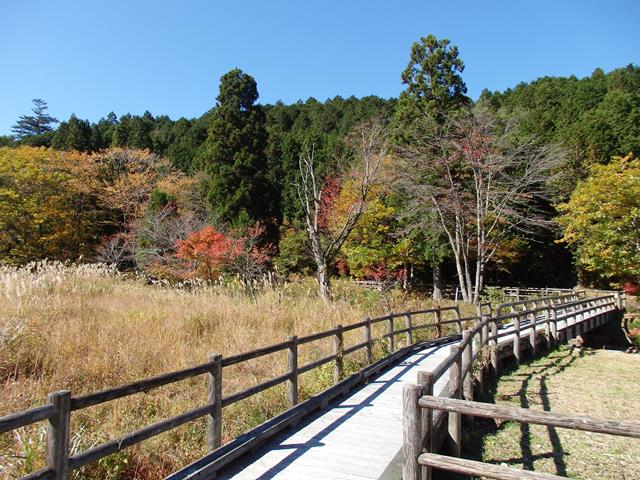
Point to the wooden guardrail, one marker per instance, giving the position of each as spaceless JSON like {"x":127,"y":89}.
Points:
{"x":58,"y":410}
{"x":60,"y":405}
{"x":552,"y":319}
{"x":520,"y":415}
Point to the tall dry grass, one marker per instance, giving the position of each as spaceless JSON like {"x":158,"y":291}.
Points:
{"x":86,"y":327}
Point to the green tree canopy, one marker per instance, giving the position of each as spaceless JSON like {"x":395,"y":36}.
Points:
{"x":233,"y":155}
{"x":602,"y":220}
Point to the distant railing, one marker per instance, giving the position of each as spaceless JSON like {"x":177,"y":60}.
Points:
{"x":555,"y":319}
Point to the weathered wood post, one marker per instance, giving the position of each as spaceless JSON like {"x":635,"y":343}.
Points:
{"x":516,"y":338}
{"x":367,"y":339}
{"x":547,"y":327}
{"x":455,"y":419}
{"x":391,"y":338}
{"x":533,"y":334}
{"x":409,"y":327}
{"x":438,"y":314}
{"x":338,"y":349}
{"x":493,"y":346}
{"x":58,"y":428}
{"x":467,"y":380}
{"x":458,"y":319}
{"x":425,"y":382}
{"x":411,"y":429}
{"x":214,"y":398}
{"x":292,"y":366}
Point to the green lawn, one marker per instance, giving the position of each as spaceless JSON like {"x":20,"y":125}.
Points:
{"x":600,"y":383}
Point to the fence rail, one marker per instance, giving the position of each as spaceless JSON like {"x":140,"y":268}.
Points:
{"x":521,"y":324}
{"x":396,"y":327}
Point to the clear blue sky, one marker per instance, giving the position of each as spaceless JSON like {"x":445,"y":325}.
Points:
{"x":92,"y":57}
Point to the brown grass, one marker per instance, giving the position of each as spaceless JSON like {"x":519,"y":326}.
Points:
{"x":600,"y":383}
{"x":86,"y":328}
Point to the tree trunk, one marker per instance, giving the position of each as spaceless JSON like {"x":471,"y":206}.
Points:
{"x":324,"y":285}
{"x":437,"y":280}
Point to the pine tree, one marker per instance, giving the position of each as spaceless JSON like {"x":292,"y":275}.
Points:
{"x":36,"y":124}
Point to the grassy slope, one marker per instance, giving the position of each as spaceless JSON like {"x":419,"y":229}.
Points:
{"x":85,"y":329}
{"x":600,"y":383}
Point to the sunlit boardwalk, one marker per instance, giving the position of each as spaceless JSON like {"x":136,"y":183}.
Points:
{"x":356,"y":437}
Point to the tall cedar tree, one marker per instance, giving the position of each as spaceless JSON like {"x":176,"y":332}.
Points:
{"x":38,"y":123}
{"x":435,"y":90}
{"x":234,"y":156}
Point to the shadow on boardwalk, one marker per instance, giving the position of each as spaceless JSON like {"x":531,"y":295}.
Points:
{"x":340,"y":404}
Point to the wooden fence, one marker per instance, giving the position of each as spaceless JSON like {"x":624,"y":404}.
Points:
{"x":407,"y":327}
{"x":60,"y":405}
{"x":427,"y":420}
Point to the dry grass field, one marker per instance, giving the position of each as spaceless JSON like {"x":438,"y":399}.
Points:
{"x":86,"y":328}
{"x":599,"y":383}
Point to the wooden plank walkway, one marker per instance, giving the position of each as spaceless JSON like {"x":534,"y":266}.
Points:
{"x":357,"y":437}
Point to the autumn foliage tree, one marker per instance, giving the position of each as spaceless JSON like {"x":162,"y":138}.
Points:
{"x":601,"y":220}
{"x":208,"y":253}
{"x":47,"y":205}
{"x":325,"y":238}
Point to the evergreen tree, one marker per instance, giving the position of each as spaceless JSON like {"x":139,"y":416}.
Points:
{"x":435,"y":90}
{"x":36,"y":124}
{"x":234,"y":156}
{"x":75,"y":134}
{"x":434,"y":84}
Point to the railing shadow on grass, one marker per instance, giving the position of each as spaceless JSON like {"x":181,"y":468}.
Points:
{"x":483,"y":428}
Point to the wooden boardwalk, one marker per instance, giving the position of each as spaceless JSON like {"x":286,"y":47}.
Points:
{"x":353,"y":429}
{"x":356,"y":437}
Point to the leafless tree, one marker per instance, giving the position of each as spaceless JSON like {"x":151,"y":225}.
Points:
{"x":369,"y":146}
{"x":482,"y":185}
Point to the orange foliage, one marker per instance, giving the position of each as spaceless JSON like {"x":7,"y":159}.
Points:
{"x":207,"y":251}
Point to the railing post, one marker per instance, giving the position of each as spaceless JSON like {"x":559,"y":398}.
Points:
{"x":411,"y":429}
{"x":58,"y":428}
{"x":516,"y":338}
{"x":494,"y":346}
{"x":553,"y":312}
{"x":467,"y":380}
{"x":338,"y":348}
{"x":292,"y":366}
{"x":214,"y":398}
{"x":547,"y":327}
{"x":367,"y":339}
{"x":392,"y":340}
{"x":458,"y":319}
{"x":438,"y":313}
{"x":455,"y":419}
{"x":533,"y":334}
{"x":425,"y":382}
{"x":409,"y":327}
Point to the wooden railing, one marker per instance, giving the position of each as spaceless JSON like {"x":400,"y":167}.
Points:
{"x":520,"y":415}
{"x":516,"y":326}
{"x":57,"y":412}
{"x":60,"y":405}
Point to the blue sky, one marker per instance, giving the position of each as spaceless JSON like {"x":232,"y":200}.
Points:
{"x":90,"y":57}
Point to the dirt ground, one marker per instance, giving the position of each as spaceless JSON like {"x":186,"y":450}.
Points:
{"x":598,"y":383}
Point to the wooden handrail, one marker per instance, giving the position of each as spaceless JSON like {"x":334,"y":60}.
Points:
{"x":475,"y":468}
{"x":537,"y":417}
{"x":420,"y":425}
{"x":213,"y":368}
